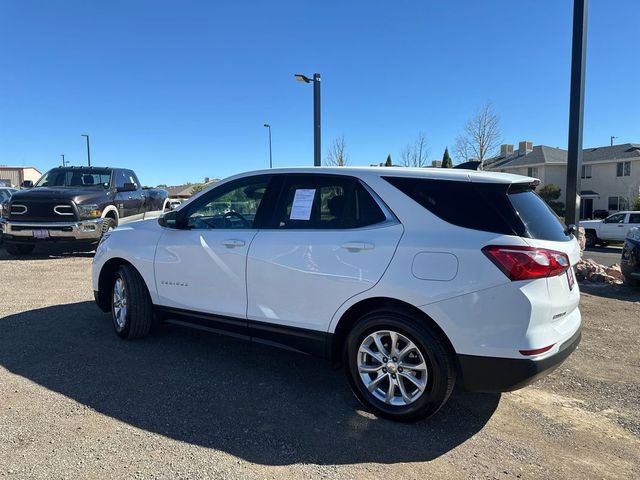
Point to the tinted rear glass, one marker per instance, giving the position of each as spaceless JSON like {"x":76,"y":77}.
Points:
{"x":490,"y":207}
{"x":539,"y":220}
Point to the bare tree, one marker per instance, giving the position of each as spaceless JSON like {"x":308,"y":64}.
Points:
{"x":481,"y":135}
{"x":337,"y":156}
{"x":415,"y":153}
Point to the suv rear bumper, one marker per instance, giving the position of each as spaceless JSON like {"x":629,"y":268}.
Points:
{"x":490,"y":374}
{"x":83,"y":230}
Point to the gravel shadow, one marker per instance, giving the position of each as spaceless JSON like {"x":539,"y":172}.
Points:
{"x":617,"y":292}
{"x":262,"y":404}
{"x":47,"y":251}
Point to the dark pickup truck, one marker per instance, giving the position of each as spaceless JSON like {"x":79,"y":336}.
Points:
{"x":76,"y":204}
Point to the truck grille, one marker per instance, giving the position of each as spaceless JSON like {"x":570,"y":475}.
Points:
{"x":42,"y":211}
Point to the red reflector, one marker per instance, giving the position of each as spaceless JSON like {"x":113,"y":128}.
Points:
{"x":525,"y":263}
{"x":537,"y":351}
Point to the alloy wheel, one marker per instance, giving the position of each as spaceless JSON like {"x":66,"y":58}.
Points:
{"x":392,"y":368}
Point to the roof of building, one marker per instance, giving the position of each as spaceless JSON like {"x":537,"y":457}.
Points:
{"x":19,"y":167}
{"x":544,"y":154}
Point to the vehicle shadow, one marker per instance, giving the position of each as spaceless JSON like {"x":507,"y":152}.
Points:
{"x":618,"y":292}
{"x":259,"y":403}
{"x":45,"y":252}
{"x":614,"y":248}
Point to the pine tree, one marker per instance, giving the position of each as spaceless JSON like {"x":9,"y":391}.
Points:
{"x":388,"y":163}
{"x":446,"y":159}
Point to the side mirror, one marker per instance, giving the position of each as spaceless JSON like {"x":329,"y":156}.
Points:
{"x":27,"y":184}
{"x":571,"y":230}
{"x":169,"y":220}
{"x":127,"y":187}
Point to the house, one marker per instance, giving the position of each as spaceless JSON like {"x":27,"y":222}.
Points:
{"x":185,"y":191}
{"x":14,"y":176}
{"x":610,"y":176}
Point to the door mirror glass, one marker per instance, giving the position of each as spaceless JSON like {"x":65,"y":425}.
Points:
{"x":27,"y":184}
{"x":127,"y":187}
{"x":169,"y":220}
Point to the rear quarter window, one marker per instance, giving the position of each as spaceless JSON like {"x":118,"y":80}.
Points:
{"x":491,"y":207}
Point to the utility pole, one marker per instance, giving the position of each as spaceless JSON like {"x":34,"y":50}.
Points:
{"x":270,"y":155}
{"x":63,"y":163}
{"x":612,"y":139}
{"x":88,"y":150}
{"x":317,"y":144}
{"x":576,"y":110}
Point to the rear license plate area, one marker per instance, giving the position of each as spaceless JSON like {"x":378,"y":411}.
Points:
{"x":571,"y":278}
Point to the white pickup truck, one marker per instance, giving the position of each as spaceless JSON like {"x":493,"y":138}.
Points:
{"x":614,"y":228}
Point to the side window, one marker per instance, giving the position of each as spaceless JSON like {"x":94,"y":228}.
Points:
{"x":120,"y":178}
{"x":617,"y":218}
{"x":634,"y":218}
{"x":326,"y":202}
{"x":131,"y":177}
{"x":229,"y":206}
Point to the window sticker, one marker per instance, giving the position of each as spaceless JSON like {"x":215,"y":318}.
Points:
{"x":302,"y":203}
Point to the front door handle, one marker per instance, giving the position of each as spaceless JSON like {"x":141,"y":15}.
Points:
{"x":357,"y":246}
{"x":232,"y":243}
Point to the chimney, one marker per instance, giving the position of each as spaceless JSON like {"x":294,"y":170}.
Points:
{"x":506,"y":150}
{"x":525,"y":147}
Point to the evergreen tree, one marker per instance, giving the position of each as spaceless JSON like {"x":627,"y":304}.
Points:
{"x":388,"y":163}
{"x":446,"y":159}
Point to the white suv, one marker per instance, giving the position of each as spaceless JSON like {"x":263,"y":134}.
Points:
{"x":414,"y":279}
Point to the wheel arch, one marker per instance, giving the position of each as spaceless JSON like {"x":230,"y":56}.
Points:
{"x":107,"y":274}
{"x":112,"y":212}
{"x":348,"y":319}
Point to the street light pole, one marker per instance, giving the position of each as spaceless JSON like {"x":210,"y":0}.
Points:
{"x":88,"y":150}
{"x":576,"y":110}
{"x":270,"y":156}
{"x":63,"y":163}
{"x":317,"y":143}
{"x":613,"y":137}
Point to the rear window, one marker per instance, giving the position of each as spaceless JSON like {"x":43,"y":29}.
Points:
{"x":491,"y":207}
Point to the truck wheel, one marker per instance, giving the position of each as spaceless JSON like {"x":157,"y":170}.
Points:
{"x":108,"y":224}
{"x":590,"y":239}
{"x":18,"y":249}
{"x":398,"y":366}
{"x":131,"y":307}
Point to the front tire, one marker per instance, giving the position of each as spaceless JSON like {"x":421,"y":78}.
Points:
{"x":590,"y":239}
{"x":398,"y":366}
{"x":19,"y":249}
{"x":131,"y":307}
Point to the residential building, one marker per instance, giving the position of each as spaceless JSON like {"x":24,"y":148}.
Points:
{"x":14,"y":176}
{"x":610,"y":176}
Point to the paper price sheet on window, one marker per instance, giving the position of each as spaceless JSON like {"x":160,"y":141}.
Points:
{"x":302,"y":203}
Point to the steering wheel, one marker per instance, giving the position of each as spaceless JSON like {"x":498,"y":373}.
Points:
{"x":227,"y":219}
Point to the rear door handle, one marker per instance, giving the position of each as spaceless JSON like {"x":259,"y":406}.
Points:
{"x":232,"y":243}
{"x":357,"y":246}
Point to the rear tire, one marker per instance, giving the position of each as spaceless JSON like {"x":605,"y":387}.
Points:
{"x":131,"y":307}
{"x":590,"y":239}
{"x":19,"y":249}
{"x":407,"y":392}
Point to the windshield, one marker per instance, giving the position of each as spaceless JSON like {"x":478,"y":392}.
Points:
{"x":77,"y":177}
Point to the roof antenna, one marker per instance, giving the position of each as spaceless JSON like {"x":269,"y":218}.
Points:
{"x":612,"y":139}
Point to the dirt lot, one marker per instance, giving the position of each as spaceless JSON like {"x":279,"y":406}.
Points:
{"x":77,"y":402}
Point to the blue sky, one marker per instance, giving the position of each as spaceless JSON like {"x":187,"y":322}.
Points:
{"x":180,"y":90}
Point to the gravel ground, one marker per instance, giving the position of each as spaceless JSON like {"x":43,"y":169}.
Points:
{"x":77,"y":402}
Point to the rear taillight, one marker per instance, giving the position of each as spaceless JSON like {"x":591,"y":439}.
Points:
{"x":526,"y":263}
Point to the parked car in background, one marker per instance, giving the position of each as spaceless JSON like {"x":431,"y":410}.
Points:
{"x":5,"y":195}
{"x":630,"y":261}
{"x":614,"y":228}
{"x":414,"y":279}
{"x":76,"y":204}
{"x":174,"y":203}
